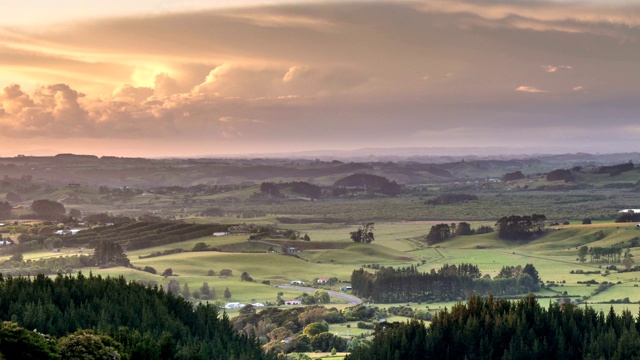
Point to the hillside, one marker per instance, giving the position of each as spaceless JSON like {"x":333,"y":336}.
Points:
{"x":139,"y":322}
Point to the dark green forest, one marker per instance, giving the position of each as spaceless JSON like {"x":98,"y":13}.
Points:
{"x":489,"y":328}
{"x":131,"y":320}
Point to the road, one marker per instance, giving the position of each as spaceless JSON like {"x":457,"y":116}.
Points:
{"x":350,"y":298}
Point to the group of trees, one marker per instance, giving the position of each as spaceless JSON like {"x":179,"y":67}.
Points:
{"x":451,"y":282}
{"x":130,"y":321}
{"x":601,"y":254}
{"x":629,"y":216}
{"x":614,"y":170}
{"x":43,"y":209}
{"x":299,"y":187}
{"x":489,"y":328}
{"x":306,"y":329}
{"x":516,"y":227}
{"x":441,"y":232}
{"x":48,"y":210}
{"x":561,"y":175}
{"x":108,"y":252}
{"x":364,"y":234}
{"x":367,"y":182}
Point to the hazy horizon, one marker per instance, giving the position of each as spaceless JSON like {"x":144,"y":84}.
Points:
{"x":200,"y":78}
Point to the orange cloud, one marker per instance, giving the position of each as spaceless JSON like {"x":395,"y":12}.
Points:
{"x":529,"y":89}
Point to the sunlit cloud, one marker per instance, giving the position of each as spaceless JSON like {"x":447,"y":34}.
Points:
{"x":529,"y":89}
{"x":552,"y":69}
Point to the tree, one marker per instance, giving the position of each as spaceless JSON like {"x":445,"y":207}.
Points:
{"x":75,"y":213}
{"x":109,"y":252}
{"x":582,"y":253}
{"x":185,"y":291}
{"x":315,"y":328}
{"x":530,"y":270}
{"x":586,"y":221}
{"x":226,"y":272}
{"x":364,"y":234}
{"x":438,"y":233}
{"x":200,"y":247}
{"x":322,"y":297}
{"x":211,"y":273}
{"x":167,"y":272}
{"x":463,"y":228}
{"x":48,"y":210}
{"x":85,"y":344}
{"x":628,"y":259}
{"x":205,"y":292}
{"x":245,"y":277}
{"x":227,"y":293}
{"x":173,"y":287}
{"x":19,"y":343}
{"x":5,"y":210}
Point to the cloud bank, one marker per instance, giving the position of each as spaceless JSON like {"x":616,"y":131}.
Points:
{"x":329,"y":75}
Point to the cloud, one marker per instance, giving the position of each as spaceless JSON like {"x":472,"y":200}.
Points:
{"x":131,"y":94}
{"x":552,"y":69}
{"x":322,"y":73}
{"x":529,"y":89}
{"x":14,"y":100}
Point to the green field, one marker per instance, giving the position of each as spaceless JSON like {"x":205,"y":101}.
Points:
{"x":330,"y":253}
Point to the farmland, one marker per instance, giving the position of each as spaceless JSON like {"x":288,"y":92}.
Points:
{"x":262,"y":227}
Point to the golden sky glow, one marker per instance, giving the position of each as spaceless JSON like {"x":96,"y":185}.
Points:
{"x":196,"y":78}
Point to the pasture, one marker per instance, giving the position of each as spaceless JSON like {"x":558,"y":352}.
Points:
{"x":331,"y":254}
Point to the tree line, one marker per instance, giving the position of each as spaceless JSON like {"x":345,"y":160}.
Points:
{"x":451,"y":282}
{"x":489,"y":328}
{"x":516,"y":227}
{"x":441,"y":232}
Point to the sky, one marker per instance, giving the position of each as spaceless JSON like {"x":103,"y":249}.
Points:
{"x":196,"y":78}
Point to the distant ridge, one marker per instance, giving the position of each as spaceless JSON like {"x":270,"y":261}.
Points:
{"x":435,"y":154}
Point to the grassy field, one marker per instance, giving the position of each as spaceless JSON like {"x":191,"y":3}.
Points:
{"x":330,"y":253}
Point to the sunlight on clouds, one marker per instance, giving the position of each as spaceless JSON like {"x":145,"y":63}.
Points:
{"x":285,"y":20}
{"x":552,"y":69}
{"x":529,"y":89}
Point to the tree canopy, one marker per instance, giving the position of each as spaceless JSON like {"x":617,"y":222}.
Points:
{"x":104,"y":316}
{"x":364,"y":234}
{"x":47,"y":209}
{"x":490,"y":328}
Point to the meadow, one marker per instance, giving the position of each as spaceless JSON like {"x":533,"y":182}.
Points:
{"x":331,"y":254}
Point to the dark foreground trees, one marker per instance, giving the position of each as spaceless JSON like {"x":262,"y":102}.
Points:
{"x":136,"y":321}
{"x":488,"y":328}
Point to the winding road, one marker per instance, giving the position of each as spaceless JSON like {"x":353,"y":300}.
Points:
{"x":350,"y":298}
